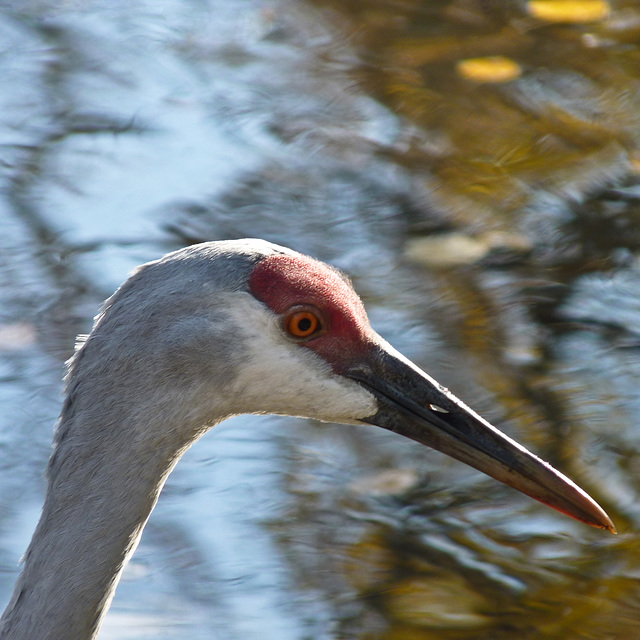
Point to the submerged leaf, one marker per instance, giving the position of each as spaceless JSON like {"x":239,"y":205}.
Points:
{"x":573,"y":11}
{"x":489,"y":69}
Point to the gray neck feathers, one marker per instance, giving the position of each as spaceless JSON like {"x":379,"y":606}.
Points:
{"x":147,"y":382}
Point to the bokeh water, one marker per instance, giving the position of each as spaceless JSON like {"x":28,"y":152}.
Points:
{"x":490,"y":224}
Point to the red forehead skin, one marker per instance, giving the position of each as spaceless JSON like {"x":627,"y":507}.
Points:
{"x":282,"y":281}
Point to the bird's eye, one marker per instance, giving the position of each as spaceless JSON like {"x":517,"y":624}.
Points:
{"x":303,"y":324}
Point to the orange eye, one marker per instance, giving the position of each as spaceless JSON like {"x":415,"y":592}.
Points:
{"x":303,"y":324}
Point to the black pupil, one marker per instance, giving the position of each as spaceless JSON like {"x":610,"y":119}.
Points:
{"x":304,"y":325}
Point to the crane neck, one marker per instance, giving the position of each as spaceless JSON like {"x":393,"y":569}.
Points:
{"x":152,"y":377}
{"x":100,"y":494}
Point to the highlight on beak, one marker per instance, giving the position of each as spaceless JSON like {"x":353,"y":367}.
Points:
{"x":414,"y":405}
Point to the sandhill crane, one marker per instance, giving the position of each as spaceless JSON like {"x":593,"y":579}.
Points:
{"x":204,"y":333}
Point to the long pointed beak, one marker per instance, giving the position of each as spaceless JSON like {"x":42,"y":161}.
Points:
{"x":414,"y":405}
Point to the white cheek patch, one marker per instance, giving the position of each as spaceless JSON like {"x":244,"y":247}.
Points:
{"x":279,"y":376}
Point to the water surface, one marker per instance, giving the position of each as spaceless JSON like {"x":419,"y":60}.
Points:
{"x":490,"y":226}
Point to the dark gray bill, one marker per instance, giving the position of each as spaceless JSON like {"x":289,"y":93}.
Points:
{"x":414,"y":405}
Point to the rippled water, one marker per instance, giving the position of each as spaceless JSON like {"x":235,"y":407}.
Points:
{"x":491,"y":228}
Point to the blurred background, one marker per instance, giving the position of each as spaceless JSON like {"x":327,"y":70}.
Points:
{"x":474,"y":165}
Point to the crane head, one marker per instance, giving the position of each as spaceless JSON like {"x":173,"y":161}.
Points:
{"x":287,"y":334}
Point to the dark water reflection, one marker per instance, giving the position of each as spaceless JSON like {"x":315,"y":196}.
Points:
{"x":491,"y":227}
